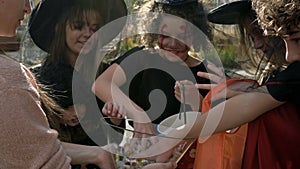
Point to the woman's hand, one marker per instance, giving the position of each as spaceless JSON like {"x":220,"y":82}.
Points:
{"x":82,"y":154}
{"x":143,"y":130}
{"x":103,"y":158}
{"x":192,"y":95}
{"x":142,"y":124}
{"x":142,"y":135}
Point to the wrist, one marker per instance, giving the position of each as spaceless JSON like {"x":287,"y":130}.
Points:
{"x":93,"y":155}
{"x":141,"y":117}
{"x":102,"y":157}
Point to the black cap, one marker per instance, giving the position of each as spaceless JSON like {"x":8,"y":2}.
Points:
{"x":229,"y":13}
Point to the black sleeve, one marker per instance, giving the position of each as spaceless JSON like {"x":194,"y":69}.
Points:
{"x":57,"y":80}
{"x":128,"y":53}
{"x":286,"y":85}
{"x":200,"y":80}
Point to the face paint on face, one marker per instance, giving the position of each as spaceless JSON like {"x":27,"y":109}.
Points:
{"x":171,"y":30}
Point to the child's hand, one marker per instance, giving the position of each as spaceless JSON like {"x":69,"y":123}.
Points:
{"x":215,"y":75}
{"x":192,"y":95}
{"x":115,"y":111}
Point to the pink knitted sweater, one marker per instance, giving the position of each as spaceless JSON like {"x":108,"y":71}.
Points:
{"x":26,"y":141}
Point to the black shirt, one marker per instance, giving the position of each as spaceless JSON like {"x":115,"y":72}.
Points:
{"x":150,"y":81}
{"x":286,"y":85}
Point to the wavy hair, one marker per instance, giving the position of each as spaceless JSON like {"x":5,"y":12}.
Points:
{"x":193,"y":12}
{"x":277,"y":17}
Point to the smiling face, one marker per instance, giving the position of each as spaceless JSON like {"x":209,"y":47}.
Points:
{"x":170,"y":26}
{"x":11,"y":14}
{"x":79,"y":31}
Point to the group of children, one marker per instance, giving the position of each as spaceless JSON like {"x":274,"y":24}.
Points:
{"x":271,"y":109}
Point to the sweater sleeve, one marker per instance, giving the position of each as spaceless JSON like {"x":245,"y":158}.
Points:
{"x":26,"y":138}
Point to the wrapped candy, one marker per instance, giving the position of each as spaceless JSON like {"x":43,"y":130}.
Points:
{"x":123,"y":162}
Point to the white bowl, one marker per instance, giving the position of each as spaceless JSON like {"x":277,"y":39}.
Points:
{"x":174,"y":122}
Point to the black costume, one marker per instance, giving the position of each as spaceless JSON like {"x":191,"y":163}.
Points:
{"x":57,"y":77}
{"x":146,"y":72}
{"x":285,"y":86}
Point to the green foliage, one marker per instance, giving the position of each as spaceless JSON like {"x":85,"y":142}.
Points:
{"x":228,"y":56}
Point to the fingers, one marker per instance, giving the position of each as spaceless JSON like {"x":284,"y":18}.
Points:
{"x":178,"y":85}
{"x":205,"y":86}
{"x":178,"y":96}
{"x":212,"y":77}
{"x":121,"y":112}
{"x":183,"y":82}
{"x":216,"y":70}
{"x":107,"y":108}
{"x":177,"y":91}
{"x":113,"y":110}
{"x":217,"y":74}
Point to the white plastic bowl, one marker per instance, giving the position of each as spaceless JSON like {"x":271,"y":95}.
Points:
{"x":173,"y":122}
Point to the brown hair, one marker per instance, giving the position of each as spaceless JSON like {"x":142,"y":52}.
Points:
{"x":77,"y":13}
{"x":193,"y":12}
{"x":52,"y":110}
{"x":277,"y":17}
{"x":265,"y":65}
